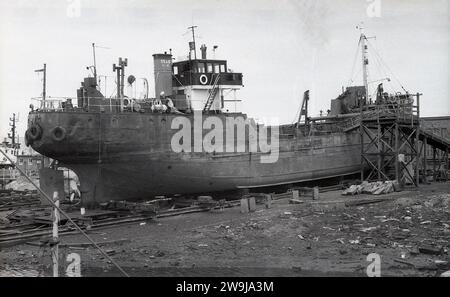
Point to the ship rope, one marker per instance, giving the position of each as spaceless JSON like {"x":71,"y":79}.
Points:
{"x":352,"y":73}
{"x":297,"y":114}
{"x":295,"y":120}
{"x":382,"y":73}
{"x":381,"y":67}
{"x":113,"y":92}
{"x":385,"y":65}
{"x":178,"y":80}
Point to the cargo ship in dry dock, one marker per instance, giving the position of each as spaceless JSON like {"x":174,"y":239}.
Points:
{"x":122,"y":148}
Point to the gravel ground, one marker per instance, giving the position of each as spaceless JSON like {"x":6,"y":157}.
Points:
{"x":410,"y":232}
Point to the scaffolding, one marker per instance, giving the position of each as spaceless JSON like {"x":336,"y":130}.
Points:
{"x":393,"y":146}
{"x":438,"y":148}
{"x":388,"y":134}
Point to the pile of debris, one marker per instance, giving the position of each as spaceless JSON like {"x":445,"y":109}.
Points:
{"x":133,"y":207}
{"x":374,"y":188}
{"x":21,"y":184}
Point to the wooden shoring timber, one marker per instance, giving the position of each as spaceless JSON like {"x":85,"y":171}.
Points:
{"x":26,"y":236}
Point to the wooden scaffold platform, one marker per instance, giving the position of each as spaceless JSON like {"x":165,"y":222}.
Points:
{"x":393,"y":145}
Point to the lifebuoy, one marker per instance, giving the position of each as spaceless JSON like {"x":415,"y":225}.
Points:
{"x":203,"y":79}
{"x":58,"y":133}
{"x":35,"y":132}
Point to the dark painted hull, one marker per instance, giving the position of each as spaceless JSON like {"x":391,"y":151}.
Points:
{"x":127,"y":156}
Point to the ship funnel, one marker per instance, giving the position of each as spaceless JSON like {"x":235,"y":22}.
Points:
{"x":203,"y":49}
{"x":162,"y":64}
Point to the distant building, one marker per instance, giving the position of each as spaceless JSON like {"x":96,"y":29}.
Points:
{"x":30,"y":164}
{"x":436,"y":125}
{"x":25,"y":159}
{"x":11,"y":151}
{"x":8,"y":172}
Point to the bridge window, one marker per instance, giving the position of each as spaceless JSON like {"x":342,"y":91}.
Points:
{"x":222,"y":68}
{"x":20,"y":161}
{"x":201,"y":67}
{"x":209,"y":67}
{"x":184,"y":67}
{"x":175,"y":70}
{"x":216,"y":68}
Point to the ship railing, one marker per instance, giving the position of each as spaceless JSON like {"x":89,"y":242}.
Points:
{"x":403,"y":110}
{"x":52,"y":104}
{"x":102,"y":104}
{"x":49,"y":104}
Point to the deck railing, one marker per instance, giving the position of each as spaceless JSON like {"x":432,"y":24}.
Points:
{"x":71,"y":104}
{"x":403,"y":110}
{"x":399,"y":109}
{"x":102,"y":104}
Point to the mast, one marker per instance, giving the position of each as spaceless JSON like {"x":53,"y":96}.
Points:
{"x":12,"y":136}
{"x":120,"y":76}
{"x":44,"y":82}
{"x":193,"y":40}
{"x":95,"y":63}
{"x":365,"y":61}
{"x":120,"y":79}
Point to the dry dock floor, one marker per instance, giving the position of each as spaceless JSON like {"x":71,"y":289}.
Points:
{"x":410,"y":231}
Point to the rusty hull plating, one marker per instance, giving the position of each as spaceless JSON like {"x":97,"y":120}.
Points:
{"x":128,"y":156}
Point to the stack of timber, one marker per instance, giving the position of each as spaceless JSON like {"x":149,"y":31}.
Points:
{"x":374,"y":188}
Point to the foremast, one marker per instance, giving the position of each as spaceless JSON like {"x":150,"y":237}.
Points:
{"x":365,"y":61}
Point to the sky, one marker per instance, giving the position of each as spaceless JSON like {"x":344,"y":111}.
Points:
{"x":282,"y":47}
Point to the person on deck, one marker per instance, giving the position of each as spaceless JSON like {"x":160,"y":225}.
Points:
{"x":166,"y":101}
{"x":158,"y":105}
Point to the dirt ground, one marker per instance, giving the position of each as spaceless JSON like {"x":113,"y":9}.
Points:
{"x":410,"y":231}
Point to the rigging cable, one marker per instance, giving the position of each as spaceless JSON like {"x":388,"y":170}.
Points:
{"x":177,"y":80}
{"x":382,"y":75}
{"x":387,"y":67}
{"x":354,"y":64}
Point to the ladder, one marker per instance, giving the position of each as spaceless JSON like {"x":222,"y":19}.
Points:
{"x":212,"y":93}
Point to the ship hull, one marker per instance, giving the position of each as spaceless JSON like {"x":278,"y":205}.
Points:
{"x":129,"y":157}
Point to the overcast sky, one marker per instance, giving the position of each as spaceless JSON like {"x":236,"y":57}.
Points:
{"x":282,"y":47}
